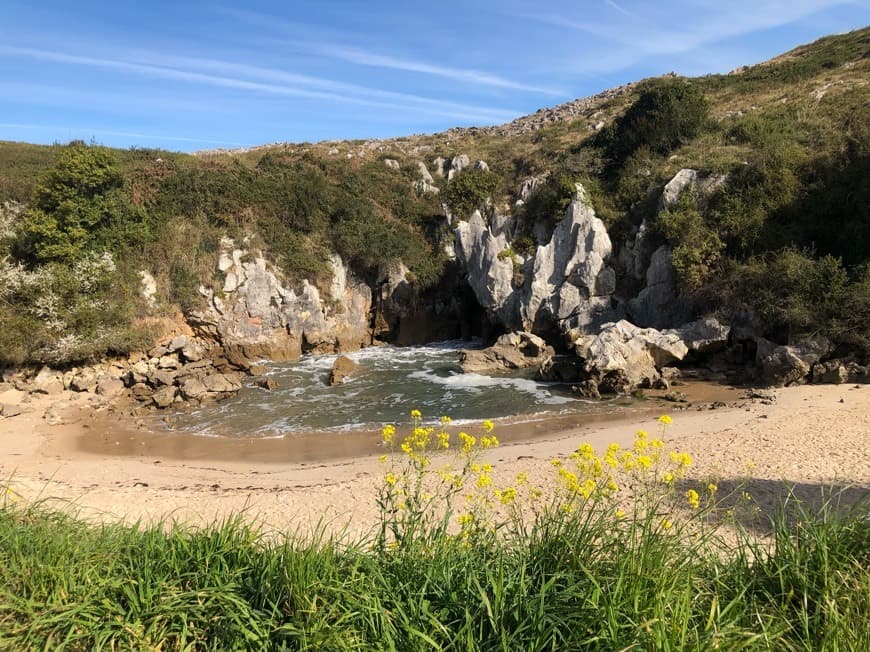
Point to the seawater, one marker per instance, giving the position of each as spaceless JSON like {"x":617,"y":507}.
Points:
{"x":389,"y":383}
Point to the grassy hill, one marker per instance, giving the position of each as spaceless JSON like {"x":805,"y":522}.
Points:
{"x":787,"y":233}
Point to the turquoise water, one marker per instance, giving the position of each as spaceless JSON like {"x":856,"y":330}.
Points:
{"x":387,"y":385}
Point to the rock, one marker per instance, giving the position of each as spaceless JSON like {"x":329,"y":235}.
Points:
{"x":161,"y":377}
{"x":221,"y":384}
{"x":164,"y":397}
{"x":109,"y":386}
{"x":47,"y":381}
{"x":53,"y":417}
{"x":858,"y":373}
{"x":780,"y":366}
{"x":457,"y":165}
{"x":83,"y":381}
{"x":587,"y":389}
{"x":192,"y":389}
{"x":423,"y":171}
{"x":258,"y":370}
{"x":177,"y":343}
{"x":702,"y":336}
{"x":8,"y":410}
{"x":517,"y":350}
{"x":623,"y":357}
{"x":262,"y":317}
{"x":481,"y":165}
{"x":157,"y":352}
{"x":341,"y":369}
{"x":168,"y":362}
{"x":562,"y":369}
{"x":440,"y":166}
{"x":683,"y":179}
{"x":266,"y":383}
{"x":658,"y":304}
{"x":192,"y":351}
{"x":141,"y":392}
{"x":669,"y":374}
{"x":149,"y":288}
{"x":566,"y":286}
{"x":392,"y":163}
{"x":833,"y":372}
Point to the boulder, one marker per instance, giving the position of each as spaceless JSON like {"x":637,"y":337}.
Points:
{"x":782,"y":365}
{"x":423,"y":171}
{"x":109,"y":386}
{"x":8,"y":410}
{"x":84,"y":381}
{"x":193,"y":389}
{"x":266,"y":383}
{"x":341,"y":369}
{"x":164,"y":397}
{"x":519,"y":350}
{"x":47,"y":381}
{"x":392,"y":164}
{"x":702,"y":336}
{"x":623,"y":357}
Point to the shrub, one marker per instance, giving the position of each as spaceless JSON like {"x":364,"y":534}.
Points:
{"x":668,"y":113}
{"x":468,"y":191}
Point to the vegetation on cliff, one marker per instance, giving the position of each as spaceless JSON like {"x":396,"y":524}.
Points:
{"x":787,"y":141}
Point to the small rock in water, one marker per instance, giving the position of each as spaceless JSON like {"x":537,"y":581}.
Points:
{"x":266,"y":383}
{"x":341,"y":369}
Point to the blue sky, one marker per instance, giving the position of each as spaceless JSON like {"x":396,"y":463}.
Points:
{"x":198,"y":75}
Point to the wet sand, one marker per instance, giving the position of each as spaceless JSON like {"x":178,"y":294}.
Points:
{"x":99,"y":465}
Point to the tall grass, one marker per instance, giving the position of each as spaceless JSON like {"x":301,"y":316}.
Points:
{"x":566,"y":581}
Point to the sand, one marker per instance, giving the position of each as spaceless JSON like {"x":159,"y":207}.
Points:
{"x":77,"y":454}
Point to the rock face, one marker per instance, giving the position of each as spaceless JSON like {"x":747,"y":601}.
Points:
{"x":510,"y":352}
{"x":257,"y":315}
{"x":567,"y":285}
{"x":702,"y":336}
{"x":341,"y":369}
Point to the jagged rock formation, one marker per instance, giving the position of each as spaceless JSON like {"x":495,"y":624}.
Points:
{"x":341,"y":369}
{"x":566,"y":285}
{"x":256,"y":315}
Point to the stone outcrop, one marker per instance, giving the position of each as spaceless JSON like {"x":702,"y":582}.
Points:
{"x":341,"y":369}
{"x":257,"y":315}
{"x":511,"y":351}
{"x":567,"y":284}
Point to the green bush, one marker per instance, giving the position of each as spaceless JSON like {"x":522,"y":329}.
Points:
{"x":668,"y":113}
{"x":549,"y":200}
{"x":468,"y":191}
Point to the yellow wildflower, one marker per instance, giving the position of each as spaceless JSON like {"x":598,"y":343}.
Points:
{"x":483,"y":481}
{"x":619,"y":513}
{"x":645,"y":461}
{"x":468,"y":442}
{"x":641,"y":434}
{"x":556,"y":462}
{"x":587,"y":488}
{"x":665,"y":420}
{"x":522,"y":478}
{"x":445,"y":420}
{"x":465,"y":519}
{"x":507,"y":496}
{"x":406,"y":447}
{"x":487,"y":426}
{"x":668,"y":478}
{"x":387,"y":433}
{"x":712,"y":488}
{"x":657,"y":443}
{"x":586,"y":451}
{"x":666,"y":524}
{"x":693,"y":498}
{"x":382,"y":459}
{"x":416,"y":414}
{"x":566,"y":508}
{"x":444,"y":440}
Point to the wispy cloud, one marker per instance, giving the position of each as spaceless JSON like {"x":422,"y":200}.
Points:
{"x":266,"y":80}
{"x":366,"y":58}
{"x":622,"y":10}
{"x":681,"y":27}
{"x":90,"y":131}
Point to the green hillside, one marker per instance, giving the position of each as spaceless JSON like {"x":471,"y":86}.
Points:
{"x":787,"y":232}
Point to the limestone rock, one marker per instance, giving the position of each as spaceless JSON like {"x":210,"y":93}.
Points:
{"x":258,"y":316}
{"x":623,"y":357}
{"x":391,"y":163}
{"x":423,"y":171}
{"x":341,"y":369}
{"x":109,"y":386}
{"x":658,"y":304}
{"x":267,"y":383}
{"x":833,"y":372}
{"x":518,"y":350}
{"x":83,"y":381}
{"x":567,"y":285}
{"x":457,"y":165}
{"x":683,"y":179}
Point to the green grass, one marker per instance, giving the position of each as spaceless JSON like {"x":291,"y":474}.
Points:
{"x":561,"y":582}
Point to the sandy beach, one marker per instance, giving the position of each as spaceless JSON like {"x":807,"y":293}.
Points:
{"x":76,"y":455}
